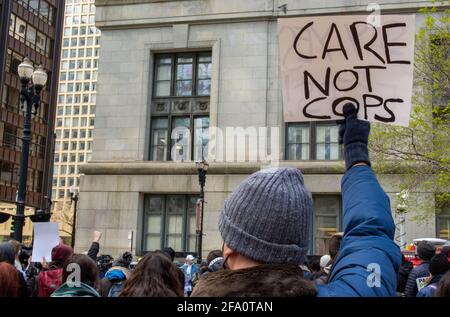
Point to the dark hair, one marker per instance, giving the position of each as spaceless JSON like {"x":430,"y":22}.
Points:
{"x":439,"y":264}
{"x":213,"y":255}
{"x":9,"y":280}
{"x":170,"y":252}
{"x":335,"y":245}
{"x":443,"y":289}
{"x":446,"y":250}
{"x":314,"y":264}
{"x":154,"y":276}
{"x":88,"y":269}
{"x":7,"y":253}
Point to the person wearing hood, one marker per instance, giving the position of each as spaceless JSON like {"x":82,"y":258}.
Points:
{"x":51,"y":277}
{"x":265,"y":226}
{"x":114,"y":281}
{"x":8,"y":255}
{"x":425,"y":251}
{"x":439,"y":265}
{"x":86,"y":286}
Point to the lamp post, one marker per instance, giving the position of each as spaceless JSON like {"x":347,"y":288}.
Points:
{"x":401,"y":209}
{"x":202,"y":168}
{"x":30,"y":96}
{"x":74,"y":200}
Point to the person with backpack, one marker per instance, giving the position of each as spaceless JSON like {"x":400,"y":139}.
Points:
{"x":50,"y":278}
{"x":114,"y":281}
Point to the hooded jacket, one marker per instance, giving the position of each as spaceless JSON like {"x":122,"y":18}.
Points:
{"x":261,"y":281}
{"x":83,"y":290}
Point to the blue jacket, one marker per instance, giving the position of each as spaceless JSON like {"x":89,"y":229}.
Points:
{"x":431,"y":288}
{"x":368,"y":259}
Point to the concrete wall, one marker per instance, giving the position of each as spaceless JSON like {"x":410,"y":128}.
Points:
{"x":245,"y":92}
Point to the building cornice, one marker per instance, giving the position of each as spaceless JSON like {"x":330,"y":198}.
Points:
{"x":124,"y":14}
{"x":188,"y":168}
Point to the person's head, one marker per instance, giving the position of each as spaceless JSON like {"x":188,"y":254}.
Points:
{"x":60,"y":254}
{"x":17,"y":246}
{"x":325,"y":261}
{"x":213,"y":254}
{"x":154,"y":276}
{"x":335,"y":245}
{"x":314,"y":264}
{"x":88,"y":269}
{"x":170,"y":252}
{"x":443,"y":289}
{"x":266,"y":220}
{"x":439,"y":264}
{"x":124,"y":260}
{"x":425,"y":250}
{"x":9,"y":280}
{"x":7,"y":253}
{"x":446,"y":250}
{"x":189,"y":259}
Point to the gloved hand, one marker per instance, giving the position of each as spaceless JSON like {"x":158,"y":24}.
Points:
{"x":354,"y":134}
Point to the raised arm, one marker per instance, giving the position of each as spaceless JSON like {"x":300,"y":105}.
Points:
{"x":368,"y":259}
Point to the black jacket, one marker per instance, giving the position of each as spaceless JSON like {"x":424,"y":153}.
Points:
{"x":403,"y":273}
{"x":417,"y":272}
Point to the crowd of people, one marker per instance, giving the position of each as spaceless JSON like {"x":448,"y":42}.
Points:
{"x":264,"y":225}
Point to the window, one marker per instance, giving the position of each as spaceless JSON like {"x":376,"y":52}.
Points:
{"x":71,"y":75}
{"x":327,"y":146}
{"x":326,"y":221}
{"x":175,"y":75}
{"x":169,"y":221}
{"x":313,"y":141}
{"x":159,"y":139}
{"x":298,"y":142}
{"x":40,"y":42}
{"x":443,"y":225}
{"x":204,"y":76}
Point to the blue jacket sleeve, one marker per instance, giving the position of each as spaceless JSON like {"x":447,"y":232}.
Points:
{"x":368,"y":259}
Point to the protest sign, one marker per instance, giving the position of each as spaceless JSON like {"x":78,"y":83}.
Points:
{"x":328,"y":61}
{"x":46,"y":236}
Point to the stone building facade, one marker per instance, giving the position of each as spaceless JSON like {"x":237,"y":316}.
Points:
{"x":196,"y":64}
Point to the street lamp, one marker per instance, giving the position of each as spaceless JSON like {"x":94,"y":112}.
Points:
{"x":74,"y":200}
{"x":202,"y":168}
{"x":401,"y":209}
{"x":32,"y":82}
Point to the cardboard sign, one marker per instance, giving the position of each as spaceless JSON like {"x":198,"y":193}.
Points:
{"x":328,"y":61}
{"x":46,"y":236}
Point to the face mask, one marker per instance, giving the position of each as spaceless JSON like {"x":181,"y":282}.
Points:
{"x":225,"y":259}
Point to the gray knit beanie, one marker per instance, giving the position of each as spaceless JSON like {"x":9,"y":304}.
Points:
{"x":266,"y":218}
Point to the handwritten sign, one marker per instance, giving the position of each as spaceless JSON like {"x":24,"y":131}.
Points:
{"x":328,"y":61}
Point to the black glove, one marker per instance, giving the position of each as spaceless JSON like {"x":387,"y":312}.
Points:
{"x":354,"y":134}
